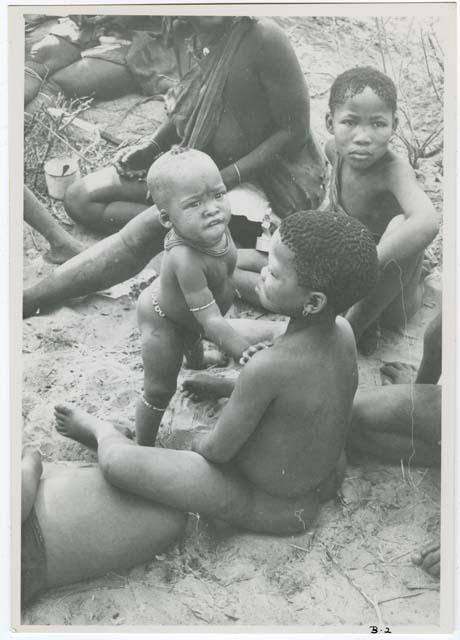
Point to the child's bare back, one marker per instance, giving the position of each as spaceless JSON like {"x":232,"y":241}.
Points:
{"x":298,"y":443}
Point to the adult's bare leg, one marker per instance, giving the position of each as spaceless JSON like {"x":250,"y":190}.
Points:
{"x":398,"y":422}
{"x":106,"y":263}
{"x":31,"y":471}
{"x":93,"y":77}
{"x":46,"y":57}
{"x":104,"y":201}
{"x":62,"y":245}
{"x":90,"y":527}
{"x":431,"y":366}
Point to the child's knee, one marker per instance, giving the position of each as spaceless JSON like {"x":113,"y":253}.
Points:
{"x":159,"y":393}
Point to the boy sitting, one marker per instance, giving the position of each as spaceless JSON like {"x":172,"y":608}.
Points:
{"x":195,"y":287}
{"x":277,"y":450}
{"x":371,"y":183}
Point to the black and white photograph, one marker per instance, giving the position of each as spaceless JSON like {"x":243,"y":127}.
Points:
{"x":230,"y":389}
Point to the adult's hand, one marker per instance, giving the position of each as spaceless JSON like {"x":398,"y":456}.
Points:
{"x":134,"y":161}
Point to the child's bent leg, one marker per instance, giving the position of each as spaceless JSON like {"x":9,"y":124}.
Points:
{"x":186,"y":481}
{"x":162,"y":354}
{"x":409,"y":299}
{"x":397,"y":282}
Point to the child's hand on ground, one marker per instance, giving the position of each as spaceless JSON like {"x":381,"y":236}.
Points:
{"x":253,"y":349}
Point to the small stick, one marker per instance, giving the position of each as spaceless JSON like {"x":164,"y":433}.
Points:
{"x":297,"y":546}
{"x":408,"y":595}
{"x":425,"y":587}
{"x":401,"y":555}
{"x":358,"y":588}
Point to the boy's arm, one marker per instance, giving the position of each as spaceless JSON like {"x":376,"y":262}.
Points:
{"x":254,"y":390}
{"x":192,"y":280}
{"x":421,"y":222}
{"x":287,"y":100}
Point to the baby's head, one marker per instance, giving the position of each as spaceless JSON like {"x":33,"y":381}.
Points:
{"x":188,"y":190}
{"x":318,"y":259}
{"x":362,"y":114}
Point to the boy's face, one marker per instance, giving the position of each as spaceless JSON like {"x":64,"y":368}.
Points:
{"x":196,"y":204}
{"x":362,"y":128}
{"x":278,"y":288}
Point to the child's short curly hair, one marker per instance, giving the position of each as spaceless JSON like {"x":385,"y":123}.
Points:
{"x":334,"y":253}
{"x":354,"y":81}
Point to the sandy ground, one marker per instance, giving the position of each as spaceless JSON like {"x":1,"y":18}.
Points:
{"x":88,"y":352}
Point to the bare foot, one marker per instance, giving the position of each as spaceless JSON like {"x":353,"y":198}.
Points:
{"x":60,"y":253}
{"x":398,"y":373}
{"x":369,"y":340}
{"x":204,"y":385}
{"x":78,"y":425}
{"x":429,"y":558}
{"x":199,"y":357}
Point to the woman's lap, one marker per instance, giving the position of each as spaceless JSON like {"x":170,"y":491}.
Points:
{"x":105,"y":185}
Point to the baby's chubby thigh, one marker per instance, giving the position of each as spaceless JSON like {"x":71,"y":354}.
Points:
{"x":162,"y":349}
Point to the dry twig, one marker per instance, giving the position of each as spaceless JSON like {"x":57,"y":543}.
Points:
{"x":369,"y":600}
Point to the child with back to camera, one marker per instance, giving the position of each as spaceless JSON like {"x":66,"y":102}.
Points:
{"x":277,"y":449}
{"x":379,"y":188}
{"x":195,"y":289}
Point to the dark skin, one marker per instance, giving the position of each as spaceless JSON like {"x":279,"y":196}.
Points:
{"x":265,"y":88}
{"x":265,"y":95}
{"x":380,"y":189}
{"x":277,"y":449}
{"x":195,"y":289}
{"x":400,"y":421}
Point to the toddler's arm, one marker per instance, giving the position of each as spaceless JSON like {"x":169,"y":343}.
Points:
{"x":422,"y":221}
{"x":200,"y":301}
{"x":254,"y":391}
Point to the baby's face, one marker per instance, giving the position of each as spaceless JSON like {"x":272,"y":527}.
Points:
{"x":197,"y":205}
{"x":362,"y":128}
{"x":278,"y":288}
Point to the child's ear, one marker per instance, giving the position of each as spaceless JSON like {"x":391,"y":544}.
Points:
{"x":315,"y":303}
{"x":395,"y":121}
{"x":164,"y":219}
{"x":329,"y":123}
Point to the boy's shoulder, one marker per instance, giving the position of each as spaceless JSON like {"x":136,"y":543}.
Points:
{"x":394,"y":169}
